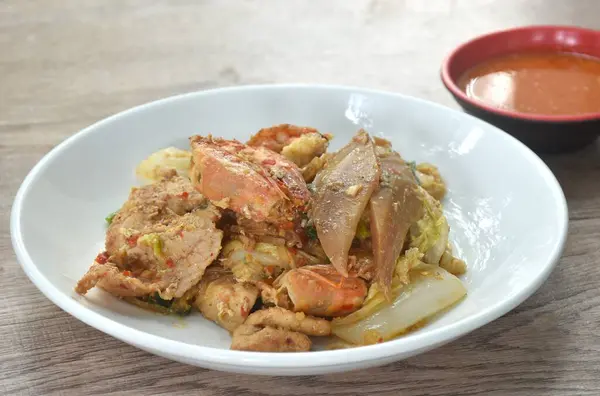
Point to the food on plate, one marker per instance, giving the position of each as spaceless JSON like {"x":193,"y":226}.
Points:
{"x":278,"y":240}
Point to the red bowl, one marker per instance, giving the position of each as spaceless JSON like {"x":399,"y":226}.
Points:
{"x":542,"y":133}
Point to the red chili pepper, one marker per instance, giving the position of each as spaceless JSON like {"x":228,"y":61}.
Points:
{"x":269,"y":162}
{"x":170,"y":263}
{"x":132,"y":240}
{"x":288,"y":225}
{"x":127,"y":273}
{"x":184,"y":195}
{"x":102,"y":258}
{"x":269,"y":269}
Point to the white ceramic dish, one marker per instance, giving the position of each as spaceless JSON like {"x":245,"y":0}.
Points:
{"x":507,"y":212}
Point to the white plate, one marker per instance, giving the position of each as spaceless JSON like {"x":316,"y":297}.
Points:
{"x":507,"y":212}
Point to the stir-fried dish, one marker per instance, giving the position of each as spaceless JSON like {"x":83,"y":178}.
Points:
{"x":278,"y":240}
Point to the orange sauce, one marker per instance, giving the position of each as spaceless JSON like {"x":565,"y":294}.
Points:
{"x":549,"y":83}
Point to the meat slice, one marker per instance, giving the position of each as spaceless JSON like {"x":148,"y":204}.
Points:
{"x":278,"y":330}
{"x":161,"y":240}
{"x":294,"y":321}
{"x":394,"y":207}
{"x":224,"y":300}
{"x":268,"y":339}
{"x":342,"y":191}
{"x":110,"y":278}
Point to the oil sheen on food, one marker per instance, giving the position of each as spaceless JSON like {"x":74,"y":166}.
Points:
{"x":550,"y":83}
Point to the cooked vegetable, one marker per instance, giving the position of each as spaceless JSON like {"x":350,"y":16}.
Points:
{"x":110,"y":217}
{"x":430,"y":233}
{"x":375,"y":299}
{"x":431,"y":290}
{"x":163,"y":161}
{"x":153,"y":240}
{"x":311,"y":232}
{"x":413,"y":169}
{"x":431,"y":180}
{"x":179,"y":306}
{"x":363,"y":231}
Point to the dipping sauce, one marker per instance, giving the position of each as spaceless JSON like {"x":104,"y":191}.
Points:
{"x":550,"y":83}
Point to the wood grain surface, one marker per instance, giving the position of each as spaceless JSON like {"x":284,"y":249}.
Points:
{"x":67,"y":63}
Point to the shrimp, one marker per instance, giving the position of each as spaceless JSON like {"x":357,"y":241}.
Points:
{"x":301,"y":145}
{"x":320,"y":290}
{"x":254,"y":182}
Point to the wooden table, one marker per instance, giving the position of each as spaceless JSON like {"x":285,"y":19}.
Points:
{"x":65,"y":64}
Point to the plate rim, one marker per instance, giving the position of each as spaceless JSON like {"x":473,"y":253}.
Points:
{"x":302,"y":360}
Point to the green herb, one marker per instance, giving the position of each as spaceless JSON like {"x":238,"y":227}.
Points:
{"x":110,"y":217}
{"x":311,"y":232}
{"x":362,"y":231}
{"x":155,"y":242}
{"x":178,"y":306}
{"x":413,"y":168}
{"x":156,"y":299}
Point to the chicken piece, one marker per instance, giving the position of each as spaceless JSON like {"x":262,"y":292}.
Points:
{"x":431,"y":180}
{"x":268,"y":339}
{"x":320,"y":290}
{"x":160,"y":163}
{"x":254,"y":182}
{"x":452,"y":264}
{"x":223,"y":300}
{"x":288,"y":320}
{"x":342,"y":191}
{"x":394,"y":207}
{"x":161,"y":240}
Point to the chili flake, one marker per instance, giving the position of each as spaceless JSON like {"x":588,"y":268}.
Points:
{"x":132,"y":240}
{"x":102,"y":258}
